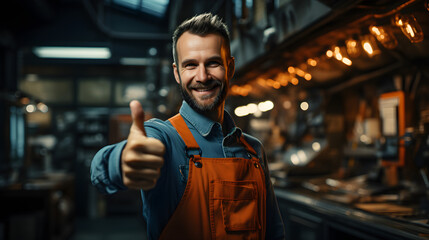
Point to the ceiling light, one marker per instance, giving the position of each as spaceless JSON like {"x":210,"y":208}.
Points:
{"x":73,"y":52}
{"x":138,"y":61}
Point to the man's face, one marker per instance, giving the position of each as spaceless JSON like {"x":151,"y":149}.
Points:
{"x":203,"y":70}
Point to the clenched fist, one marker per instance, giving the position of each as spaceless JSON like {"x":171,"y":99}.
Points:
{"x":142,"y":157}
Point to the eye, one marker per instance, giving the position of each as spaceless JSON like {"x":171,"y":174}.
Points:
{"x":190,"y":65}
{"x":213,"y":64}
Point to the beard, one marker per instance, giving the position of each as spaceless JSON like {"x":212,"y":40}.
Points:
{"x":193,"y":103}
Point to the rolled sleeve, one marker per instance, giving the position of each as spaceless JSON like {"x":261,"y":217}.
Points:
{"x":106,"y":169}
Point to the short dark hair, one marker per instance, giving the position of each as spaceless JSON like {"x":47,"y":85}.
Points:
{"x":201,"y":25}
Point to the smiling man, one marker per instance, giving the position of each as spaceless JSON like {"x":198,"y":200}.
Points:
{"x":200,"y":176}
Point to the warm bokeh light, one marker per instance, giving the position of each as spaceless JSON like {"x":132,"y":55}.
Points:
{"x":413,"y":31}
{"x":299,"y":72}
{"x":369,"y":45}
{"x":337,"y":53}
{"x":312,"y":62}
{"x":304,"y":106}
{"x":307,"y":76}
{"x":329,"y":53}
{"x":316,"y":146}
{"x":30,"y":108}
{"x":253,"y":108}
{"x":384,"y":35}
{"x":368,"y":48}
{"x":270,"y":82}
{"x":291,"y":70}
{"x":347,"y":61}
{"x":265,"y":106}
{"x":42,"y":107}
{"x":410,"y":27}
{"x":287,"y":104}
{"x":294,"y":81}
{"x":353,"y":49}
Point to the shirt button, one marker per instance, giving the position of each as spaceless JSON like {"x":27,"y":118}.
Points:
{"x":256,"y":165}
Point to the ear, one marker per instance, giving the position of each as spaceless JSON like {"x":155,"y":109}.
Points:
{"x":231,"y":68}
{"x":176,"y":73}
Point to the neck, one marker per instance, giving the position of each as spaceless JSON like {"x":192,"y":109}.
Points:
{"x":217,"y":115}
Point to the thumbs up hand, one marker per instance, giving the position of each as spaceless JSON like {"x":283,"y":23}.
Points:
{"x":142,"y":157}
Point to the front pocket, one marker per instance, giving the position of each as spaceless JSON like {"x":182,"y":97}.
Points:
{"x":233,"y":207}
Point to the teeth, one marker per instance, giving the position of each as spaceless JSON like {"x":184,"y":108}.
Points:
{"x":203,"y":89}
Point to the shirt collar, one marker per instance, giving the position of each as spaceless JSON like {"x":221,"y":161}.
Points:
{"x":203,"y":124}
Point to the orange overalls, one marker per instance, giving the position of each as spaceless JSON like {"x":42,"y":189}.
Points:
{"x":224,"y":198}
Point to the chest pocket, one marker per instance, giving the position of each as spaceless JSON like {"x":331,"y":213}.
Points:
{"x":233,"y":207}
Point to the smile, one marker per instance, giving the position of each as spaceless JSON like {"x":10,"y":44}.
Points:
{"x":205,"y":89}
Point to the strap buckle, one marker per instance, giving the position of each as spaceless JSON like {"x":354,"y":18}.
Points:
{"x":192,"y":156}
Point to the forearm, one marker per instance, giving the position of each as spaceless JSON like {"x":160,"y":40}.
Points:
{"x":106,"y":169}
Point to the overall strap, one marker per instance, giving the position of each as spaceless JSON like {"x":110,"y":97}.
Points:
{"x":180,"y":125}
{"x":248,"y":147}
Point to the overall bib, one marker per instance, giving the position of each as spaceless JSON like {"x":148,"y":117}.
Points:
{"x":224,"y":198}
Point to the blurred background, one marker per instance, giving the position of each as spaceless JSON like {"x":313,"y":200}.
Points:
{"x":337,"y":91}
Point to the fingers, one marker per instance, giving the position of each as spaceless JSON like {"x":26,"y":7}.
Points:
{"x":150,"y":161}
{"x":146,"y":145}
{"x":140,"y":185}
{"x":144,"y":179}
{"x":137,"y":114}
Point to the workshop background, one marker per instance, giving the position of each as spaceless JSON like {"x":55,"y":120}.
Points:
{"x":337,"y":91}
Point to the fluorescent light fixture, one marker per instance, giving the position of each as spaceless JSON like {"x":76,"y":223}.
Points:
{"x":139,"y":61}
{"x":73,"y":52}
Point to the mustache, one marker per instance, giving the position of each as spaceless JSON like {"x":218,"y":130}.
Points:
{"x":207,"y":84}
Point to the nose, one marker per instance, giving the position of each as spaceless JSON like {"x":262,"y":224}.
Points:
{"x":202,"y":75}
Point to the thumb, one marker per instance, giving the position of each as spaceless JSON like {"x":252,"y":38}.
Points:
{"x":137,"y":114}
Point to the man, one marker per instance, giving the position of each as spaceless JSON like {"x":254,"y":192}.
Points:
{"x":200,"y":177}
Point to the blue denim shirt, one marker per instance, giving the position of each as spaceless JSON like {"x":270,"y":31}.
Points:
{"x":160,"y":202}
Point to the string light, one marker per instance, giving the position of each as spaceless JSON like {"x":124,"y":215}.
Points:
{"x":241,"y":90}
{"x":410,"y":27}
{"x":294,"y":81}
{"x":300,"y":72}
{"x":369,"y":45}
{"x":346,"y":61}
{"x":349,"y":49}
{"x":329,"y":53}
{"x":312,"y":62}
{"x":282,"y":78}
{"x":337,"y":53}
{"x":384,"y":35}
{"x":352,"y":47}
